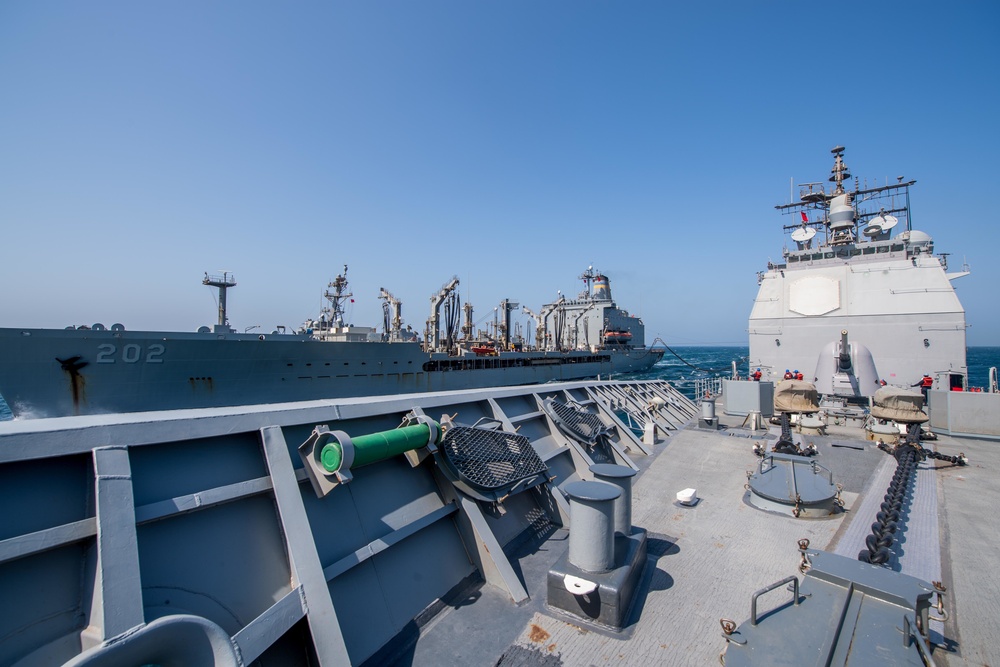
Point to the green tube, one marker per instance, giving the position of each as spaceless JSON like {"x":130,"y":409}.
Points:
{"x":385,"y":444}
{"x":376,"y":447}
{"x":331,"y":455}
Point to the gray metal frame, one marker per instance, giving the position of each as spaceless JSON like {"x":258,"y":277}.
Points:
{"x":144,"y":518}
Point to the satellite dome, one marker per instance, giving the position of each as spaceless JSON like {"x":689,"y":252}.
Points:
{"x":915,"y":237}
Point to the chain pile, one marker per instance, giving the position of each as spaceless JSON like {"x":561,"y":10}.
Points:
{"x":887,"y":521}
{"x":785,"y":444}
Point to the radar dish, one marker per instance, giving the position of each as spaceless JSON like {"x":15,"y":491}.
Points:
{"x":803,"y":234}
{"x":873,"y":229}
{"x":890,"y":222}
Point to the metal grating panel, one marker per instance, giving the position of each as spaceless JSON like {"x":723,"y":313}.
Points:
{"x":582,"y":425}
{"x":490,"y":460}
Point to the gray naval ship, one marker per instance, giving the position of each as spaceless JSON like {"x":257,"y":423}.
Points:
{"x":582,"y":523}
{"x":96,"y":369}
{"x":860,"y":298}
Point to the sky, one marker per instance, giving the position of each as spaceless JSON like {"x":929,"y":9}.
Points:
{"x":512,"y":144}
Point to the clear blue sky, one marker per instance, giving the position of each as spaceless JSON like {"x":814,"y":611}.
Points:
{"x":511,"y":143}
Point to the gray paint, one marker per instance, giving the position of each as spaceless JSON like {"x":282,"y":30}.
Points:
{"x":621,"y":477}
{"x":306,"y":570}
{"x":892,"y":295}
{"x":744,"y":397}
{"x":846,"y":612}
{"x":215,"y":543}
{"x":60,"y":372}
{"x":225,"y":528}
{"x":117,"y":595}
{"x":592,"y":534}
{"x":970,"y":414}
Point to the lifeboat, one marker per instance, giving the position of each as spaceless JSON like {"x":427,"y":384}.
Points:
{"x":617,"y":337}
{"x":484,"y":351}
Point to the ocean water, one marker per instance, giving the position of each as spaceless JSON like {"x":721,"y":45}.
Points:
{"x":683,"y":365}
{"x":716,"y":361}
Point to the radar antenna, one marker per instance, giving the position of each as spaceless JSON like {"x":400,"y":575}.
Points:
{"x":588,"y":279}
{"x":338,"y":297}
{"x":840,"y":172}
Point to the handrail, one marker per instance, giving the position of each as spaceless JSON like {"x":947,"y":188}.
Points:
{"x":788,"y":580}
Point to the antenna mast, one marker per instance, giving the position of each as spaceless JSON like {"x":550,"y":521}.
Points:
{"x":338,"y":297}
{"x":223,"y":282}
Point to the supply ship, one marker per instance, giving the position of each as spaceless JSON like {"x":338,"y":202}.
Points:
{"x":97,"y":369}
{"x":860,"y":299}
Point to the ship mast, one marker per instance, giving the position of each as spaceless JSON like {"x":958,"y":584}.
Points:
{"x":840,"y":172}
{"x":223,"y":282}
{"x":338,"y":297}
{"x":840,"y":212}
{"x":588,"y":279}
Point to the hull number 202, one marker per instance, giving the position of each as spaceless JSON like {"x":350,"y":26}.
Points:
{"x":130,"y":353}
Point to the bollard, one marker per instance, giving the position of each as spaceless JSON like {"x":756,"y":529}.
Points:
{"x":708,"y":409}
{"x":620,"y":476}
{"x":592,"y":535}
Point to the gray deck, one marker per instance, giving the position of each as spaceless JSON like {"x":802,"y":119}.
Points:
{"x":208,"y":512}
{"x":706,"y":561}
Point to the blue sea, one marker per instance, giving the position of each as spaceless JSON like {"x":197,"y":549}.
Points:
{"x":693,"y":363}
{"x":683,"y":365}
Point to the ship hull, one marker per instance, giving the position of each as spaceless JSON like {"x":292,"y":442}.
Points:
{"x":50,"y":373}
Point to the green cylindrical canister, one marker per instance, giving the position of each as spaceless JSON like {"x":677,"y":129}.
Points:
{"x":376,"y":447}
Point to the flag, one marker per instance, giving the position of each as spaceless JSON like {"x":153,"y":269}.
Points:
{"x":805,"y":218}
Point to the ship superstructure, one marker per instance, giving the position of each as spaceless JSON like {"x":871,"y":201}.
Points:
{"x":592,"y":320}
{"x":861,"y":297}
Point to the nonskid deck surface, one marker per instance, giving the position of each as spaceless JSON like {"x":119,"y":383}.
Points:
{"x":706,"y":561}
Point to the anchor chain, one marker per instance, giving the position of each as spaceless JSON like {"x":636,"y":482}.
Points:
{"x":785,"y":443}
{"x":959,"y":460}
{"x":887,"y":520}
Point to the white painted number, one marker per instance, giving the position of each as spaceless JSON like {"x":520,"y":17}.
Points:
{"x":155,"y":354}
{"x":105,"y":354}
{"x":131,"y":353}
